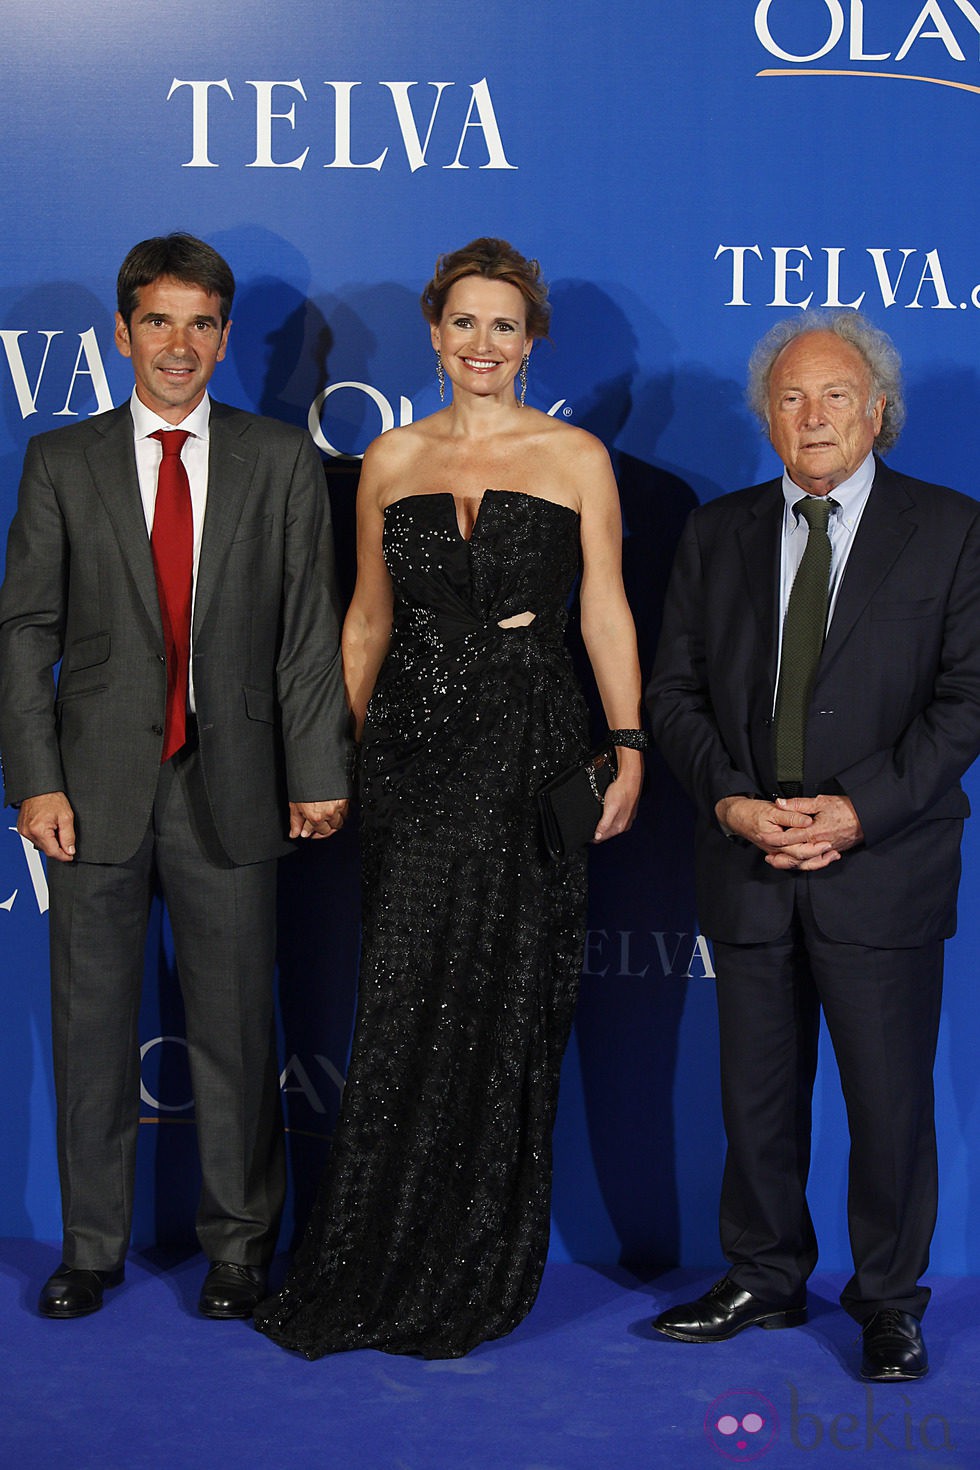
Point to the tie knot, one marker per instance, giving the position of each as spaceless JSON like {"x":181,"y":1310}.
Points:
{"x":815,"y":510}
{"x":171,"y":441}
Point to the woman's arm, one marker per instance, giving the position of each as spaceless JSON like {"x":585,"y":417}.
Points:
{"x":367,"y":627}
{"x":607,"y":627}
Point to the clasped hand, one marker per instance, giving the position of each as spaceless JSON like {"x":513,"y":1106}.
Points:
{"x":801,"y":832}
{"x":48,"y":822}
{"x":316,"y":818}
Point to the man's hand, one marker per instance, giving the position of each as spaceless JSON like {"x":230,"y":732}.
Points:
{"x":316,"y":818}
{"x":783,"y":830}
{"x":49,"y":822}
{"x":835,"y":824}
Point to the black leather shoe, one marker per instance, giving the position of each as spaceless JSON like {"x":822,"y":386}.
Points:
{"x":231,"y":1291}
{"x":893,"y":1347}
{"x":724,"y":1311}
{"x":74,"y":1292}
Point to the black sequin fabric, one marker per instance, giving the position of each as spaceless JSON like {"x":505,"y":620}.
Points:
{"x":430,"y":1230}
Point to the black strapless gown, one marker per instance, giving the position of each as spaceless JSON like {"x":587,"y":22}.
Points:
{"x":430,"y":1230}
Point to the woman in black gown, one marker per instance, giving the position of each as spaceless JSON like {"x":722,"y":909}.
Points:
{"x":430,"y":1231}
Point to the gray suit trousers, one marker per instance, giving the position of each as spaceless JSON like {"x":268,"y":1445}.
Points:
{"x":223,"y":922}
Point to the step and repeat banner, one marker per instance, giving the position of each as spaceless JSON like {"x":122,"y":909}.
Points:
{"x":686,"y":174}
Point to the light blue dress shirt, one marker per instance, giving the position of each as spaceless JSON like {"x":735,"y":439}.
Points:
{"x":850,"y":498}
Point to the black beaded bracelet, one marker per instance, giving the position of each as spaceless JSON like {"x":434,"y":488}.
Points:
{"x":632,"y":739}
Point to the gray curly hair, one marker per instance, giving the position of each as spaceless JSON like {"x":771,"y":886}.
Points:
{"x":875,"y":346}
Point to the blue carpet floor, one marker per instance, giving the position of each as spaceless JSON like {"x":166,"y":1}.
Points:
{"x":146,"y":1384}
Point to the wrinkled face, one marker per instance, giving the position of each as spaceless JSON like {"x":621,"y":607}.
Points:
{"x":174,"y":339}
{"x":820,"y":422}
{"x":482,"y":335}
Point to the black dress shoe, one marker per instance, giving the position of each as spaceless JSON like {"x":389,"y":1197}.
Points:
{"x":725,"y":1310}
{"x":230,"y":1290}
{"x":893,"y":1347}
{"x":75,"y":1292}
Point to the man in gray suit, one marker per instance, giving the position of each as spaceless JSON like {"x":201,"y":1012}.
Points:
{"x":185,"y":582}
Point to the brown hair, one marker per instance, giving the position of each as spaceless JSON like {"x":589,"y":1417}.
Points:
{"x":180,"y":256}
{"x":497,"y":261}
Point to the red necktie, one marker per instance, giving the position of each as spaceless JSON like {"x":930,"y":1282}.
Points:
{"x":172,"y":543}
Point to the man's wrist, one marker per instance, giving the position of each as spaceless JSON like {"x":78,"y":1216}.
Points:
{"x":723,"y":807}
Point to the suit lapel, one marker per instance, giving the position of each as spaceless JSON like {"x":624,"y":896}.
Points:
{"x":885,"y":528}
{"x":759,"y":541}
{"x":112,"y":465}
{"x":231,"y":466}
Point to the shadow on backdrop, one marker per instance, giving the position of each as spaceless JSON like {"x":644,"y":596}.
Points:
{"x":53,"y":372}
{"x":644,"y":1050}
{"x":951,"y":397}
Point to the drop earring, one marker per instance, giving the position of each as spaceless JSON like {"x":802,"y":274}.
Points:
{"x":524,"y":362}
{"x":441,"y":375}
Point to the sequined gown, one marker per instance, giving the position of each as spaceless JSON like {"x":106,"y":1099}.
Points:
{"x":431,"y":1226}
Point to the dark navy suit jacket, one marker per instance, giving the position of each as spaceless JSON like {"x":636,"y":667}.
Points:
{"x":894,"y":720}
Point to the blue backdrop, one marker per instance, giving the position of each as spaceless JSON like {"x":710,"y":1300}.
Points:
{"x":686,"y":174}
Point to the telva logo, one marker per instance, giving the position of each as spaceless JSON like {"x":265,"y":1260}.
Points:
{"x":333,"y":126}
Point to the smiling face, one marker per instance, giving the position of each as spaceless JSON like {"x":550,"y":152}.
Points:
{"x":175,"y":339}
{"x":482,"y":335}
{"x":820,"y":423}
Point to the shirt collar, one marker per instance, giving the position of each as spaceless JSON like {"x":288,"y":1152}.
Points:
{"x":849,"y":495}
{"x":146,"y":422}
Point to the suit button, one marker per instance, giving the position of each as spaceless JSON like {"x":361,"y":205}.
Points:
{"x":156,"y":729}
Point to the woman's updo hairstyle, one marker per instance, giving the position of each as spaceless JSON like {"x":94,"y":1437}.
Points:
{"x":497,"y":261}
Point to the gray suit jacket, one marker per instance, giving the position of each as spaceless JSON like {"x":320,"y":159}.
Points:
{"x":80,"y":588}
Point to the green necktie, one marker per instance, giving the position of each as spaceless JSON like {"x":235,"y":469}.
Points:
{"x":804,"y":628}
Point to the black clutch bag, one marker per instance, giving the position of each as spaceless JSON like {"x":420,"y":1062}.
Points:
{"x":571,"y":804}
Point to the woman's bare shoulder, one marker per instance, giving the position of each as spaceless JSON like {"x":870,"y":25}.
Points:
{"x":396,"y":448}
{"x":578,"y":451}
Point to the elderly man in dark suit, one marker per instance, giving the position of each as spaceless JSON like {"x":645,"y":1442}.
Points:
{"x":817,"y":691}
{"x":183,"y":577}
